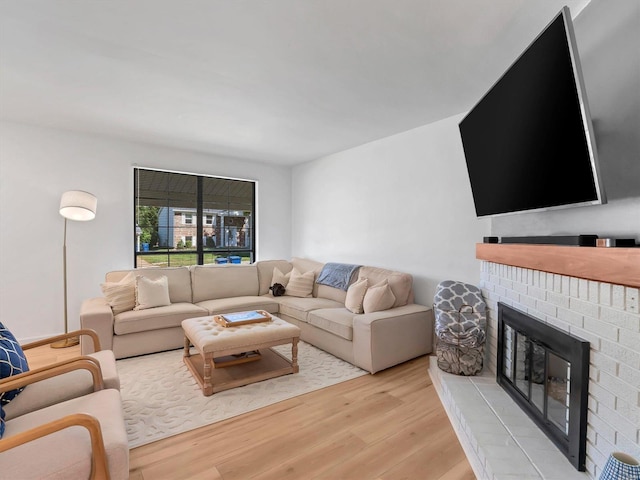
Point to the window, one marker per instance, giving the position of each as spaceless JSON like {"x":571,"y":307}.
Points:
{"x":183,"y":219}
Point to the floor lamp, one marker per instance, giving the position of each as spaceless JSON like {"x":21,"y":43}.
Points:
{"x":79,"y":206}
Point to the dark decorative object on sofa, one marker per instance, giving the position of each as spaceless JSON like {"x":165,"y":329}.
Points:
{"x":461,"y":325}
{"x":277,"y":289}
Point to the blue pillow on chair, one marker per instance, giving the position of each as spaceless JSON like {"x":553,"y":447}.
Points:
{"x":12,"y":361}
{"x":1,"y":421}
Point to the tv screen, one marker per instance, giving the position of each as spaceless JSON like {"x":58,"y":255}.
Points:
{"x":529,"y":141}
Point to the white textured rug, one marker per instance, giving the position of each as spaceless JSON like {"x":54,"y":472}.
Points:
{"x":161,"y":398}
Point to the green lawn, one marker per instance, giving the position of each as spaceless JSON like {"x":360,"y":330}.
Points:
{"x":178,"y":259}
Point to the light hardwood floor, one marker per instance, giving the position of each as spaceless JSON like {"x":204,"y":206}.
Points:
{"x":377,"y":427}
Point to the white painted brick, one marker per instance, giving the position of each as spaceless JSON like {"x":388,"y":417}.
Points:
{"x":604,"y":363}
{"x":574,"y":287}
{"x":590,"y":337}
{"x":632,"y":300}
{"x":622,"y":354}
{"x":547,"y":308}
{"x":537,"y":293}
{"x":528,"y":302}
{"x":605,"y":294}
{"x":513,"y":295}
{"x":571,"y":317}
{"x":566,"y":282}
{"x":603,"y":445}
{"x":583,"y":289}
{"x":629,"y":375}
{"x":520,"y":288}
{"x":558,"y":299}
{"x":601,"y":329}
{"x":557,"y":283}
{"x":630,"y":340}
{"x":628,"y":411}
{"x":617,"y":297}
{"x":600,"y":395}
{"x":584,"y":307}
{"x":619,"y":423}
{"x":619,"y":388}
{"x":591,"y":434}
{"x":628,"y":321}
{"x":556,"y":323}
{"x":593,"y":291}
{"x":594,"y":453}
{"x":601,"y":427}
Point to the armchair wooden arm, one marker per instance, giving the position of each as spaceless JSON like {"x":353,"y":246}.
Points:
{"x":38,"y":374}
{"x":64,"y":336}
{"x":99,"y":466}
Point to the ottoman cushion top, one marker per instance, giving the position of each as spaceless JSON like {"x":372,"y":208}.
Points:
{"x":208,"y":336}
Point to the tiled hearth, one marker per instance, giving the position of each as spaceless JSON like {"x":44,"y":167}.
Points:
{"x":501,"y":442}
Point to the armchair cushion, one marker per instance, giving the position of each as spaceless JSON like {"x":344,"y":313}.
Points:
{"x":12,"y":361}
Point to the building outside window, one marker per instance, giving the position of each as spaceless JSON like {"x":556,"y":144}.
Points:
{"x":186,"y":219}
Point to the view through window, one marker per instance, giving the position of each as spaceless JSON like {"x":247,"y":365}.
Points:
{"x":184,"y":219}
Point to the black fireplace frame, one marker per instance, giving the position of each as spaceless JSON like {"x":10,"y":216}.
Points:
{"x":571,"y":349}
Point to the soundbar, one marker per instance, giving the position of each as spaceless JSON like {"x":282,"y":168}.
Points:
{"x":576,"y":240}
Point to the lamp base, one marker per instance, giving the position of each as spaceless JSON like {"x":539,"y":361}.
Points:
{"x":67,"y":342}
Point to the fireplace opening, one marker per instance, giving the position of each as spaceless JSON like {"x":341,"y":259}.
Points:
{"x":546,"y":371}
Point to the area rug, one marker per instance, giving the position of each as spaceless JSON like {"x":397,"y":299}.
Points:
{"x":161,"y":398}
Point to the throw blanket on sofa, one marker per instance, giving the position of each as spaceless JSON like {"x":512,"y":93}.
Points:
{"x":337,"y":275}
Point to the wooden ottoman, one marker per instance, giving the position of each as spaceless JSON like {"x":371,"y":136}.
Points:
{"x":215,"y":344}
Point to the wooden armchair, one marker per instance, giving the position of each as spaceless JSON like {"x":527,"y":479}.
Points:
{"x":74,"y":383}
{"x":45,"y":443}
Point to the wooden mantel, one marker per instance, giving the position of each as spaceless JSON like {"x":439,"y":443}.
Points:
{"x":612,"y":265}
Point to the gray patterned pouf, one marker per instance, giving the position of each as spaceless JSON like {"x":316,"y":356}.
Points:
{"x":461,"y":326}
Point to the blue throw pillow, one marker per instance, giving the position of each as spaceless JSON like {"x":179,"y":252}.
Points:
{"x":1,"y":421}
{"x":12,"y":361}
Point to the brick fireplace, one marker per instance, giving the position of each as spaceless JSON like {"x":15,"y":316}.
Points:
{"x":592,"y":293}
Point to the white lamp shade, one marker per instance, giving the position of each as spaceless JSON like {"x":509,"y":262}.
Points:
{"x":78,"y":205}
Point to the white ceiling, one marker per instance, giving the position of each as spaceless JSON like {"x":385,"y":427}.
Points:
{"x":282,"y":81}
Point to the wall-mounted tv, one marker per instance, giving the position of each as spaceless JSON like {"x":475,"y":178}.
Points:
{"x":529,"y":142}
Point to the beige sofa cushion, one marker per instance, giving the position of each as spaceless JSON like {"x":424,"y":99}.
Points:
{"x":378,"y":298}
{"x":156,"y":318}
{"x":355,"y":296}
{"x":240,"y":304}
{"x":151,"y":293}
{"x":401,"y":283}
{"x":299,"y":308}
{"x":211,"y":282}
{"x":338,"y":321}
{"x":179,"y":279}
{"x":280,"y":277}
{"x":265,"y":272}
{"x":306,"y":265}
{"x":300,"y":284}
{"x":121,"y":295}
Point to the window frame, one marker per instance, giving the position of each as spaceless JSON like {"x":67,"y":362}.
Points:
{"x":208,"y":239}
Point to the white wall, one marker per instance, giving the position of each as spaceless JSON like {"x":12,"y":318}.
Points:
{"x":402,"y":202}
{"x":38,"y":164}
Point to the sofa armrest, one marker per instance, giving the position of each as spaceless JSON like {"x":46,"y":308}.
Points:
{"x":96,"y":315}
{"x":384,"y":339}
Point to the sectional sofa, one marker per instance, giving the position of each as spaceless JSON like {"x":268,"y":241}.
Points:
{"x":373,"y":341}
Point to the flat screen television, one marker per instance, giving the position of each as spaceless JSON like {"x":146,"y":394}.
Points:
{"x":529,"y":142}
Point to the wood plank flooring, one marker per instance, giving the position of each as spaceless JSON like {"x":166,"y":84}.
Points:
{"x":388,"y":426}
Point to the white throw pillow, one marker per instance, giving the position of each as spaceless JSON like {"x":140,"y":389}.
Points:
{"x":121,"y":295}
{"x":279,"y":277}
{"x":300,"y":284}
{"x":378,"y":297}
{"x":355,"y":296}
{"x":152,"y":293}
